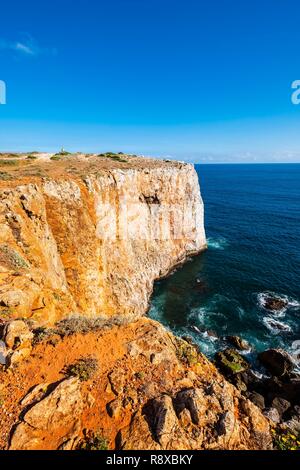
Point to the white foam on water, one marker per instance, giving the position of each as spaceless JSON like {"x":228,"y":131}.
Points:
{"x":217,"y":243}
{"x":275,"y":326}
{"x":262,"y":298}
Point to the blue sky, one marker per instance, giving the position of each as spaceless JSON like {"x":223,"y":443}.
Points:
{"x":193,"y":79}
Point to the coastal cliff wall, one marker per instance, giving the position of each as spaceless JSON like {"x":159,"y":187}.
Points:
{"x":82,"y":240}
{"x":93,"y":244}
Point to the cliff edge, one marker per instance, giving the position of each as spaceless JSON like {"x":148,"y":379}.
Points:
{"x":89,"y":234}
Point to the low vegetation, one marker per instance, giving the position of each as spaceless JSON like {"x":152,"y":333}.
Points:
{"x":74,"y":325}
{"x":10,"y":257}
{"x":56,"y":157}
{"x":10,"y":155}
{"x":186,"y":352}
{"x":93,"y":441}
{"x":286,"y":440}
{"x":118,"y":157}
{"x":85,"y":368}
{"x":9,"y":162}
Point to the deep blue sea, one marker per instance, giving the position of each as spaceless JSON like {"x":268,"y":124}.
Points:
{"x":252,"y":221}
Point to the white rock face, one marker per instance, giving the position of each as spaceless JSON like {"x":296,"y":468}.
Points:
{"x":94,"y":245}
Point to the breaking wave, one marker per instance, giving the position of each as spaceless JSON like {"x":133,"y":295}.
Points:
{"x":276,"y":326}
{"x":288,"y":302}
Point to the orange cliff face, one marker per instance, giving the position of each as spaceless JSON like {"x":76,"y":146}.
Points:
{"x":88,"y":235}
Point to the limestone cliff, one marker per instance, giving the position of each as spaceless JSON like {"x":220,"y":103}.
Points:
{"x":82,"y":239}
{"x":92,"y":234}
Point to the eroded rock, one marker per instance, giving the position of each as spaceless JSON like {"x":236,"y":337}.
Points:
{"x":51,"y":418}
{"x":277,"y":361}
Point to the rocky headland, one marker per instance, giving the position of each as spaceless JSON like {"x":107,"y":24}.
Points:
{"x":82,"y":240}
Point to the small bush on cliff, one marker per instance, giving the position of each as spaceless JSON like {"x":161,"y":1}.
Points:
{"x":10,"y":257}
{"x":186,"y":353}
{"x":5,"y":176}
{"x":85,"y":368}
{"x":42,"y":334}
{"x":93,"y":441}
{"x":56,"y":157}
{"x":78,"y":324}
{"x":118,"y":157}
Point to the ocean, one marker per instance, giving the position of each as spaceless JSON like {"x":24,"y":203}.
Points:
{"x":252,"y":222}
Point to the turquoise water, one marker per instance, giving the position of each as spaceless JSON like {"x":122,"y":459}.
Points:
{"x":252,"y":221}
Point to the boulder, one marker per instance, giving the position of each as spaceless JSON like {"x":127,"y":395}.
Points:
{"x":277,"y":361}
{"x":13,"y":298}
{"x":257,"y":399}
{"x":274,"y":303}
{"x":273,"y":415}
{"x":52,"y":418}
{"x":281,"y":405}
{"x":230,"y":362}
{"x":165,"y":420}
{"x":117,"y":381}
{"x":16,"y":333}
{"x":114,"y":408}
{"x":59,"y":408}
{"x":193,"y":400}
{"x":238,"y":343}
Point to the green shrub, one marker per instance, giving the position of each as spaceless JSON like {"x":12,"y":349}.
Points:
{"x":55,"y":157}
{"x":186,"y":352}
{"x":41,"y":334}
{"x":9,"y":162}
{"x":93,"y":441}
{"x":11,"y":257}
{"x":140,"y":375}
{"x":113,"y":156}
{"x":85,"y":368}
{"x":31,"y":157}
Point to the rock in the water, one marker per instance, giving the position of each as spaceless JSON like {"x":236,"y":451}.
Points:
{"x":238,"y":343}
{"x":231,"y":362}
{"x":201,"y":286}
{"x":277,"y":361}
{"x":274,"y":303}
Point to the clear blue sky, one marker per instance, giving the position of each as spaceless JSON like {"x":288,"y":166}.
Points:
{"x":195,"y":79}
